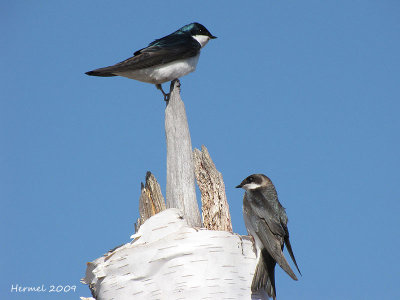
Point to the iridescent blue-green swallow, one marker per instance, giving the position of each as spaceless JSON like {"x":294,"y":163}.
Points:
{"x":266,"y":221}
{"x":165,"y":59}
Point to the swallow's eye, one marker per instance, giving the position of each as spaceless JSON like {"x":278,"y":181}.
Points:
{"x":250,"y":179}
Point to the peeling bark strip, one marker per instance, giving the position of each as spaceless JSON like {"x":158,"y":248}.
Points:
{"x":215,"y":207}
{"x":151,"y":200}
{"x":180,"y":192}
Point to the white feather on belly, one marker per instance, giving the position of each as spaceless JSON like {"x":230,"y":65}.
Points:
{"x":163,"y":73}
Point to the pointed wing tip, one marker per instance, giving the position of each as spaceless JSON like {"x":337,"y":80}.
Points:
{"x":293,"y":276}
{"x":282,"y":262}
{"x":295,"y":263}
{"x":289,"y":249}
{"x":99,"y":73}
{"x":297,"y":270}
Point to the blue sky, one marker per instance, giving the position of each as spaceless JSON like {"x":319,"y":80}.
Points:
{"x":306,"y":92}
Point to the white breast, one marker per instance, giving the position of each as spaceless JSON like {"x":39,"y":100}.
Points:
{"x":163,"y":73}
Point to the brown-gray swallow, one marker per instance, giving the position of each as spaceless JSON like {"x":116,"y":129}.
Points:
{"x":266,"y":221}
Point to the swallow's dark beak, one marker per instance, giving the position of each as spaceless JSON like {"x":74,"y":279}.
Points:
{"x":238,"y":186}
{"x":213,"y":37}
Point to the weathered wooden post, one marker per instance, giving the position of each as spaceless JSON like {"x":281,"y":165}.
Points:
{"x":181,"y":189}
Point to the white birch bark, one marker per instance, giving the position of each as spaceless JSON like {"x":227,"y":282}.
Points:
{"x":167,"y":259}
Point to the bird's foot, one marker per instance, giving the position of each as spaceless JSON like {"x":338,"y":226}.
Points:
{"x":171,"y":87}
{"x":166,"y":96}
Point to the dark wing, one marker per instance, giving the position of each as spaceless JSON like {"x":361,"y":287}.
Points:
{"x":266,"y":211}
{"x":273,"y":244}
{"x":162,"y":51}
{"x":289,"y":247}
{"x":270,"y":230}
